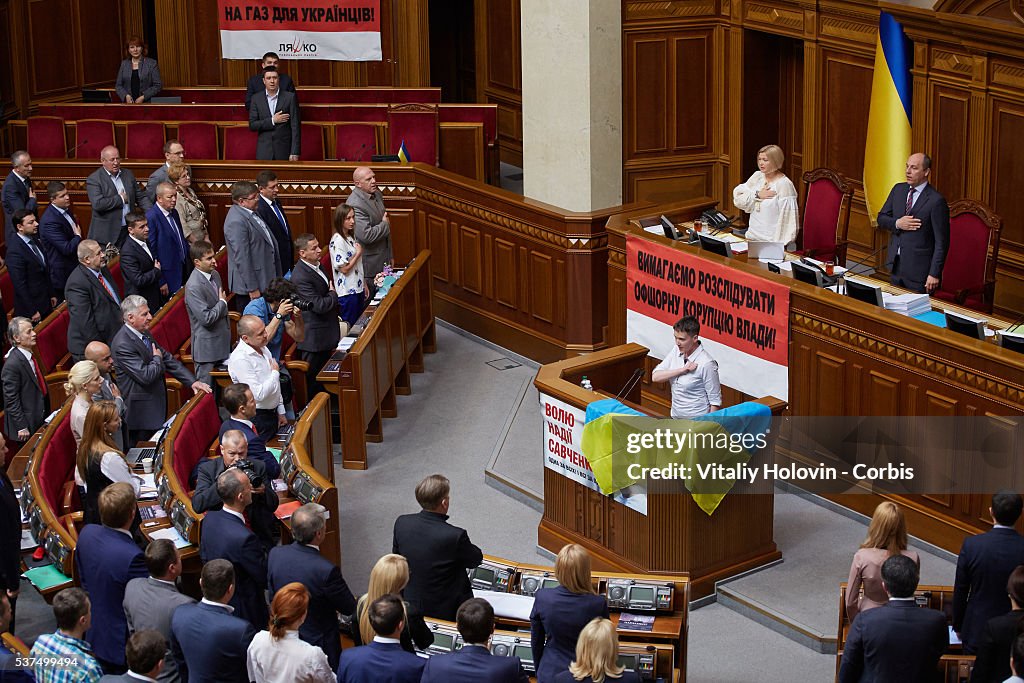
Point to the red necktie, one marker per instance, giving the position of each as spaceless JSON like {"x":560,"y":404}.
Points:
{"x":39,"y":376}
{"x":910,"y":200}
{"x":106,"y":286}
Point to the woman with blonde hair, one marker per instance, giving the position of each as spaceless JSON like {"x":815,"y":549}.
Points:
{"x":99,"y":462}
{"x":770,"y":198}
{"x":278,"y":654}
{"x":83,"y":381}
{"x":597,"y":656}
{"x":560,"y":613}
{"x":390,"y":575}
{"x":887,"y":536}
{"x":190,"y":207}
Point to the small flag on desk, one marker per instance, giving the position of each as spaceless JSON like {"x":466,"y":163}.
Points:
{"x":403,"y":153}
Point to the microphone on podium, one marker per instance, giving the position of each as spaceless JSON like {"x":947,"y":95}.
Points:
{"x":630,"y":383}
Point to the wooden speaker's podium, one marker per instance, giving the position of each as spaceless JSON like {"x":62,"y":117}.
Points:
{"x":676,"y":536}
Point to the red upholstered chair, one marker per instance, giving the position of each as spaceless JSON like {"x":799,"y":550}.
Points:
{"x":7,"y":291}
{"x":239,"y":144}
{"x":52,"y":352}
{"x":114,"y":266}
{"x":46,"y":138}
{"x":191,"y":445}
{"x":355,"y":141}
{"x":170,"y":327}
{"x":312,"y":148}
{"x":416,"y":126}
{"x":826,"y":215}
{"x":969,"y":276}
{"x":92,"y":136}
{"x":57,"y":468}
{"x":144,"y":140}
{"x":222,"y":265}
{"x":199,"y":139}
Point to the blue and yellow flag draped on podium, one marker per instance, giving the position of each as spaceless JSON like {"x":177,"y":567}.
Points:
{"x":888,"y":142}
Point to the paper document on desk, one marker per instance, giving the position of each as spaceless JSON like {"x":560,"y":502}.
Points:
{"x":907,"y":304}
{"x":346,"y":343}
{"x":737,"y":247}
{"x":27,"y":542}
{"x":171,"y":534}
{"x":509,"y":605}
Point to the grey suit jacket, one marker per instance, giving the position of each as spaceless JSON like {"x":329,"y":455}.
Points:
{"x":106,"y":394}
{"x":140,"y":375}
{"x":24,"y":403}
{"x":106,"y":222}
{"x":276,"y":141}
{"x":252,"y":252}
{"x":149,"y":78}
{"x":208,"y":316}
{"x":155,"y":178}
{"x":149,"y":604}
{"x":372,"y":231}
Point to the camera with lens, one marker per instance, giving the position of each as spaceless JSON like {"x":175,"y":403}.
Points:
{"x":250,"y":471}
{"x":302,"y":304}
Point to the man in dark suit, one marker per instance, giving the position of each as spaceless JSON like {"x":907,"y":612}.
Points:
{"x":173,"y":151}
{"x":167,"y":239}
{"x":17,"y":190}
{"x":145,"y":653}
{"x":141,"y":365}
{"x":253,"y":259}
{"x":255,"y":83}
{"x":139,"y":267}
{"x":113,"y":192}
{"x":107,"y":558}
{"x":899,"y":641}
{"x":260,"y":509}
{"x":383,"y":660}
{"x":274,"y":115}
{"x":474,"y":662}
{"x":240,"y":403}
{"x":918,"y":218}
{"x":27,"y":267}
{"x":321,"y":319}
{"x":439,"y":553}
{"x":225,"y":536}
{"x":301,"y":561}
{"x":983,"y":567}
{"x":209,"y":643}
{"x":10,"y":540}
{"x":61,"y":234}
{"x":270,"y":210}
{"x":207,"y":307}
{"x":149,"y":602}
{"x":25,"y":395}
{"x":11,"y":671}
{"x":93,"y":300}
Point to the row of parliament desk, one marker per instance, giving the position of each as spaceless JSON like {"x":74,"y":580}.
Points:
{"x":848,"y":358}
{"x":368,"y":377}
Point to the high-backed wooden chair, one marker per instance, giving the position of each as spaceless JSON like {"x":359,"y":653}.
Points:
{"x":7,"y":291}
{"x":826,"y":215}
{"x":144,"y":139}
{"x":52,"y":352}
{"x":46,"y":138}
{"x":416,"y":126}
{"x":199,"y":138}
{"x":969,"y":275}
{"x":114,"y":266}
{"x":355,"y":140}
{"x":239,"y":144}
{"x":312,"y":144}
{"x":92,"y":135}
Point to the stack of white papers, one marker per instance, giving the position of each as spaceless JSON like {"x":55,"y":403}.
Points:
{"x":907,"y":304}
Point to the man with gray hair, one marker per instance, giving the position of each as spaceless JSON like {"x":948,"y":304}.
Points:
{"x":18,"y":192}
{"x":25,"y":401}
{"x":93,"y":300}
{"x":253,"y":258}
{"x":141,"y":367}
{"x":113,"y":192}
{"x":301,"y":561}
{"x":226,"y":537}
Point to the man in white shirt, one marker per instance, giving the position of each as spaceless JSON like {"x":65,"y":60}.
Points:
{"x":252,"y":363}
{"x":692,"y":373}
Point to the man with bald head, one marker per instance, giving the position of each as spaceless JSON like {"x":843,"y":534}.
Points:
{"x":918,"y":218}
{"x":373,"y":230}
{"x":113,"y":192}
{"x":94,"y":302}
{"x":252,"y":363}
{"x":99,"y":353}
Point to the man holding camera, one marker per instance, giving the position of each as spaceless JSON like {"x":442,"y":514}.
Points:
{"x":259,"y":510}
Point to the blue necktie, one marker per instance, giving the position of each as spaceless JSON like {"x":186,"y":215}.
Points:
{"x":280,"y":217}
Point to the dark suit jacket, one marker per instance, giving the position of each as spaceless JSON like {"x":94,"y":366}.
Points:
{"x":557,"y":618}
{"x":993,"y":662}
{"x":24,"y":403}
{"x":30,"y":278}
{"x":150,"y":84}
{"x":897,"y":642}
{"x":256,"y":85}
{"x":61,"y":247}
{"x":328,"y":593}
{"x":9,"y":673}
{"x":170,"y":247}
{"x":261,"y":512}
{"x":322,"y":331}
{"x":379,"y":663}
{"x":257,"y":446}
{"x":10,"y":535}
{"x":439,"y":554}
{"x":107,"y":560}
{"x":105,"y":226}
{"x":275,"y":141}
{"x":226,"y":537}
{"x":979,"y":590}
{"x":15,"y":196}
{"x":140,"y":275}
{"x":280,"y":231}
{"x":923,"y":251}
{"x":140,"y":377}
{"x":627,"y":677}
{"x":209,"y":644}
{"x":472,"y":664}
{"x":94,"y":313}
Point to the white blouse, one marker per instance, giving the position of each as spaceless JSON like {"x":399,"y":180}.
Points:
{"x":771,"y":220}
{"x":342,"y":251}
{"x":288,"y":659}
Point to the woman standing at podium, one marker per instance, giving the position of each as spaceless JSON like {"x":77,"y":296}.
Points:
{"x":770,"y":198}
{"x":887,"y":536}
{"x":560,"y":613}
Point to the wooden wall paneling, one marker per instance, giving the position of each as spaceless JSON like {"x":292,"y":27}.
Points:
{"x":437,"y":242}
{"x":505,"y":274}
{"x":462,"y":150}
{"x":499,"y":71}
{"x":1006,"y":122}
{"x":948,"y":140}
{"x":471,"y":255}
{"x":10,"y":51}
{"x":55,"y":61}
{"x":403,"y":234}
{"x":845,"y":111}
{"x":665,"y":182}
{"x":647,"y":110}
{"x":99,"y":31}
{"x":412,"y":51}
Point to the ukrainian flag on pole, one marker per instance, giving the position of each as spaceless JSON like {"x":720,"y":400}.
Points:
{"x":403,"y":153}
{"x":888,"y":142}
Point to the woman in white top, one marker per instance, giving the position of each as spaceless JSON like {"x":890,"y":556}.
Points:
{"x":278,"y":655}
{"x":770,"y":199}
{"x":347,"y":265}
{"x":83,"y":381}
{"x":99,"y":462}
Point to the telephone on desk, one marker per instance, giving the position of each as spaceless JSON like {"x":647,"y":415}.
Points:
{"x":713,"y":218}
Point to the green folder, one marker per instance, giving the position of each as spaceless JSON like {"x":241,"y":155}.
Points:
{"x":276,"y":452}
{"x":46,"y":577}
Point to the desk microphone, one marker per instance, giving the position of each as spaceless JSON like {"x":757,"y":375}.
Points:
{"x":630,"y":383}
{"x":1013,"y":327}
{"x":826,"y":279}
{"x":864,"y":260}
{"x":76,"y":148}
{"x":362,"y":148}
